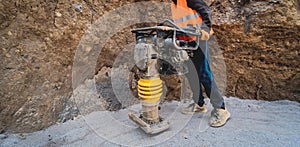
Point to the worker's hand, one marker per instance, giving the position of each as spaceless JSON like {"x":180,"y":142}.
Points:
{"x":204,"y":36}
{"x":211,"y":32}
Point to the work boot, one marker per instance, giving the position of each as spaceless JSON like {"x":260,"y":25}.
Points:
{"x":218,"y":117}
{"x":194,"y":108}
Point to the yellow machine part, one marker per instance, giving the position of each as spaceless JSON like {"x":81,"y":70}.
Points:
{"x":150,"y":90}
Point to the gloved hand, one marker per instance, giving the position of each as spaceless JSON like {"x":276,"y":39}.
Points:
{"x":204,"y":36}
{"x":211,"y":32}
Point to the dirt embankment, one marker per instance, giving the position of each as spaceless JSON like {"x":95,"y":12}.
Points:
{"x":259,"y":39}
{"x":38,"y":44}
{"x":261,"y":48}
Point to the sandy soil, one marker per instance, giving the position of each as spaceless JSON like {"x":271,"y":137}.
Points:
{"x":252,"y":123}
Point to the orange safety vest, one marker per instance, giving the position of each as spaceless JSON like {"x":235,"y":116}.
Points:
{"x":184,"y":16}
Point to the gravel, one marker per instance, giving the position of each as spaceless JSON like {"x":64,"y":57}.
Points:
{"x":252,"y":123}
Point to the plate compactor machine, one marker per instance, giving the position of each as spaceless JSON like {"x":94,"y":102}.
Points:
{"x":161,"y":49}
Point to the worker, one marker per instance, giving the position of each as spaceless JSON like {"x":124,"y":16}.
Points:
{"x":198,"y":14}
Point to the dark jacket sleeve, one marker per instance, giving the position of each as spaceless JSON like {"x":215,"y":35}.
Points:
{"x":203,"y":9}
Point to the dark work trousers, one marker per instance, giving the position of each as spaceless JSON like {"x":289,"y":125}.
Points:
{"x":200,"y":73}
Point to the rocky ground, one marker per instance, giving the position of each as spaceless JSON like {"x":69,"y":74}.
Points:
{"x":259,"y":41}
